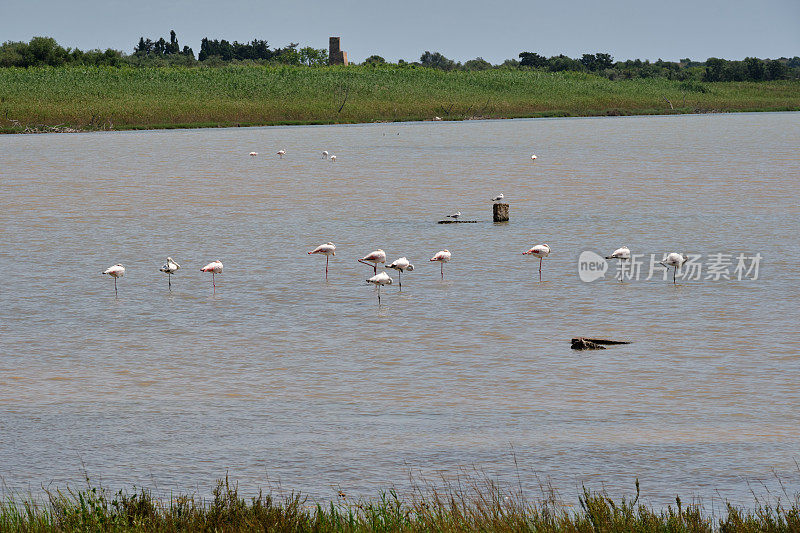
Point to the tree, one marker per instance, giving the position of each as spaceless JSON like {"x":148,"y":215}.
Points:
{"x":755,"y":68}
{"x":715,"y":68}
{"x":532,"y":59}
{"x":478,"y":63}
{"x":776,"y":70}
{"x":436,"y":60}
{"x":374,"y":60}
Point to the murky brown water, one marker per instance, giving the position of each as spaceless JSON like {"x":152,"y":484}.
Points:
{"x":282,"y":377}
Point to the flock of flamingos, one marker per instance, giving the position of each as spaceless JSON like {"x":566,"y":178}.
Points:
{"x":674,"y":260}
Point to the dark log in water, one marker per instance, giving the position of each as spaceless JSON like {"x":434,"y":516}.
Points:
{"x":457,"y":222}
{"x":500,"y":212}
{"x":582,"y":343}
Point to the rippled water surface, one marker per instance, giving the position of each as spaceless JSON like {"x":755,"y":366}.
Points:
{"x":280,"y":377}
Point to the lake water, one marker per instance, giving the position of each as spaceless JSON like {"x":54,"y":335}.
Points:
{"x":283,"y":380}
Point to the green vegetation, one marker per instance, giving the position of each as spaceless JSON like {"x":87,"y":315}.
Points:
{"x":96,"y":98}
{"x":468,"y":506}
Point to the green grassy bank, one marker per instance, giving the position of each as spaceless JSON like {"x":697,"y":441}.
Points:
{"x":466,"y":508}
{"x":96,"y":98}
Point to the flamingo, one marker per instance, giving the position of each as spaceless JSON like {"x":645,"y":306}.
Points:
{"x":379,"y":280}
{"x":378,"y":256}
{"x":281,"y":153}
{"x":674,"y":260}
{"x":253,"y":154}
{"x":116,"y":271}
{"x":541,"y":251}
{"x":333,"y":158}
{"x":327,"y":249}
{"x":324,"y":154}
{"x":455,"y":215}
{"x":443,"y":256}
{"x":401,"y":265}
{"x":622,"y":254}
{"x":533,"y":157}
{"x":169,"y":268}
{"x":498,"y":198}
{"x":215,"y":267}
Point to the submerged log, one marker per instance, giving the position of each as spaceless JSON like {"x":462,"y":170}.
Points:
{"x":582,"y":343}
{"x":457,"y":222}
{"x":500,"y":212}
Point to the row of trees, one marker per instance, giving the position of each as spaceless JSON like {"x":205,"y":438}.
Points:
{"x":160,"y":52}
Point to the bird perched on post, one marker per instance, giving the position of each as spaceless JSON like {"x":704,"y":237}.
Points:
{"x":498,"y":198}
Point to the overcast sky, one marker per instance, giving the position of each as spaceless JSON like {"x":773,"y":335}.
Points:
{"x":460,"y":29}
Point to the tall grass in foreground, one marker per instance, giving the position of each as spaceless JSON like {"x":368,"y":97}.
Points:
{"x":473,"y":506}
{"x":91,"y":98}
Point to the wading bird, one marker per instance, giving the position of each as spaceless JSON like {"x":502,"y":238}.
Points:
{"x":379,"y":280}
{"x":116,"y":271}
{"x":401,"y":265}
{"x":533,"y":157}
{"x":378,"y":256}
{"x":674,"y":260}
{"x":169,"y":268}
{"x":455,"y":215}
{"x":333,"y":158}
{"x":253,"y":154}
{"x":498,"y":198}
{"x":442,"y":256}
{"x":281,"y":153}
{"x":324,"y":154}
{"x":541,"y":251}
{"x":621,"y":254}
{"x":327,"y":249}
{"x":215,"y":267}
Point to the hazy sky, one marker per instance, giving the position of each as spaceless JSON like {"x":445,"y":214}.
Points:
{"x":460,"y":29}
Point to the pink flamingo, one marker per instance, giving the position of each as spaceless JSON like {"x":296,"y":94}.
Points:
{"x":116,"y":271}
{"x":378,"y":256}
{"x":327,"y":250}
{"x":215,"y":267}
{"x":541,"y":251}
{"x":443,"y":256}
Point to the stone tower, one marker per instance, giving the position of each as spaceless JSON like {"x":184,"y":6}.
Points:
{"x":336,"y":56}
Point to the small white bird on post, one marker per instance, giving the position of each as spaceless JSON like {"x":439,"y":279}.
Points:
{"x":442,"y":256}
{"x":380,"y":280}
{"x":327,"y":249}
{"x":169,"y":268}
{"x":541,"y":251}
{"x":281,"y":153}
{"x":674,"y":260}
{"x":215,"y":267}
{"x":401,"y":265}
{"x":498,"y":198}
{"x":115,"y":271}
{"x":378,"y":256}
{"x":621,"y":254}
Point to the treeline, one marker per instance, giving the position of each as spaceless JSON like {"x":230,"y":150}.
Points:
{"x":42,"y":51}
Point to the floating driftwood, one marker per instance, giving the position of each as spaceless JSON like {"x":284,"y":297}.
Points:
{"x":457,"y":222}
{"x":583,"y":343}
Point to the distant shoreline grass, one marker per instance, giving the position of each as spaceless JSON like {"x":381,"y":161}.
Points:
{"x":467,"y":506}
{"x":65,"y":99}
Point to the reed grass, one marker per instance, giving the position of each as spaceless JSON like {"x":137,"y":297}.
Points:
{"x":475,"y":504}
{"x":97,"y":98}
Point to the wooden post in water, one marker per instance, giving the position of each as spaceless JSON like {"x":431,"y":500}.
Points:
{"x":500,"y":212}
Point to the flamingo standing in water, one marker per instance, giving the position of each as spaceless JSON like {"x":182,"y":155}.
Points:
{"x":116,"y":271}
{"x":442,"y":256}
{"x":378,"y":256}
{"x":327,"y":250}
{"x":674,"y":260}
{"x":401,"y":265}
{"x":324,"y":154}
{"x":253,"y":154}
{"x":215,"y":267}
{"x":379,"y":280}
{"x":333,"y":158}
{"x":533,"y":157}
{"x":281,"y":153}
{"x":169,"y":268}
{"x":541,"y":251}
{"x":622,"y":254}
